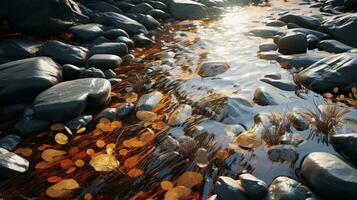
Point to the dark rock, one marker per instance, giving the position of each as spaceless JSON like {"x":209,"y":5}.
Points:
{"x":180,"y":115}
{"x":92,"y":72}
{"x":64,"y":53}
{"x":291,"y":139}
{"x":187,"y":9}
{"x":141,"y":40}
{"x":286,"y":188}
{"x":282,"y":153}
{"x":109,"y":73}
{"x":128,"y":58}
{"x":115,"y":48}
{"x":158,"y":14}
{"x":229,"y":189}
{"x":114,"y":81}
{"x":112,"y":34}
{"x":104,"y":61}
{"x":254,"y":188}
{"x":333,"y":71}
{"x":18,"y":47}
{"x":11,"y":164}
{"x":108,"y":113}
{"x":169,"y":144}
{"x":124,"y":108}
{"x":86,"y":32}
{"x":302,"y":20}
{"x":306,"y":31}
{"x":81,"y":121}
{"x":129,"y":43}
{"x":312,"y":41}
{"x":329,"y":176}
{"x":269,"y":55}
{"x":124,"y":6}
{"x":342,"y":28}
{"x":29,"y":126}
{"x":299,"y":123}
{"x":266,"y":32}
{"x":41,"y":72}
{"x":269,"y":96}
{"x":70,"y":72}
{"x":148,"y":21}
{"x":273,"y":76}
{"x":158,"y":5}
{"x":103,"y":6}
{"x":268,"y":46}
{"x":281,"y":84}
{"x":149,"y":101}
{"x":9,"y":142}
{"x":293,"y":25}
{"x":275,"y":23}
{"x":346,"y":145}
{"x":293,"y":44}
{"x":350,"y":3}
{"x":141,"y":8}
{"x":334,"y":46}
{"x":68,"y":100}
{"x":208,"y":69}
{"x":299,"y":61}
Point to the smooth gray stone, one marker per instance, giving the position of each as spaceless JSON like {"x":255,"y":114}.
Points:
{"x":269,"y":96}
{"x":266,"y":32}
{"x":275,"y":23}
{"x":70,"y":72}
{"x":158,"y":14}
{"x":108,"y":113}
{"x":112,"y":34}
{"x":306,"y":31}
{"x":114,"y":48}
{"x":346,"y":145}
{"x":282,"y":153}
{"x":329,"y":176}
{"x":9,"y":142}
{"x":80,"y":121}
{"x":229,"y":189}
{"x":64,"y":53}
{"x":293,"y":44}
{"x":141,"y":40}
{"x":302,"y":20}
{"x":299,"y":61}
{"x":92,"y":72}
{"x":148,"y":21}
{"x":124,"y":6}
{"x":104,"y":61}
{"x":114,"y":81}
{"x":334,"y":46}
{"x":269,"y":55}
{"x":103,"y":6}
{"x":29,"y":126}
{"x":69,"y":99}
{"x":312,"y":41}
{"x":129,"y":43}
{"x":41,"y":72}
{"x":281,"y":84}
{"x":209,"y":69}
{"x":291,"y":139}
{"x":268,"y":46}
{"x":124,"y":108}
{"x":254,"y":188}
{"x":12,"y":164}
{"x":186,"y":9}
{"x":286,"y":188}
{"x":149,"y":101}
{"x":86,"y":32}
{"x":109,"y":74}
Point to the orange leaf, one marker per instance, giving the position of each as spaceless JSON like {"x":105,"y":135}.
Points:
{"x":54,"y":179}
{"x":135,"y":172}
{"x":66,"y":164}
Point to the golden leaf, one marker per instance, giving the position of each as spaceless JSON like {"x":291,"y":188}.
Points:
{"x":190,"y":179}
{"x":166,"y":185}
{"x":104,"y":163}
{"x":62,"y":188}
{"x":52,"y":155}
{"x":57,"y":127}
{"x":61,"y":138}
{"x":135,"y":172}
{"x":177,"y":193}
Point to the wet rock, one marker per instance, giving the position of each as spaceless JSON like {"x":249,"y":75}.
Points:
{"x":282,"y":153}
{"x":293,"y":44}
{"x":187,"y":9}
{"x":114,"y":81}
{"x":68,"y":100}
{"x":169,"y":144}
{"x":86,"y":32}
{"x":334,"y":46}
{"x":124,"y":108}
{"x":149,"y":101}
{"x":268,"y":46}
{"x":103,"y":6}
{"x":109,"y":74}
{"x":104,"y":61}
{"x":81,"y":121}
{"x":329,"y":176}
{"x":298,"y":121}
{"x":254,"y":188}
{"x":29,"y":126}
{"x":293,"y":25}
{"x":266,"y":32}
{"x":9,"y":142}
{"x":187,"y":146}
{"x":208,"y":69}
{"x":112,"y":34}
{"x":299,"y":61}
{"x":312,"y":41}
{"x":291,"y":139}
{"x":129,"y":43}
{"x":306,"y":31}
{"x":273,"y":76}
{"x":18,"y":47}
{"x":114,"y":48}
{"x":269,"y":96}
{"x":158,"y":14}
{"x":286,"y":188}
{"x":41,"y":72}
{"x":180,"y":115}
{"x":229,"y":189}
{"x":350,"y":3}
{"x":148,"y":21}
{"x":269,"y":55}
{"x":124,"y":6}
{"x":141,"y":8}
{"x":302,"y":20}
{"x":333,"y":71}
{"x":275,"y":23}
{"x":64,"y":53}
{"x":108,"y":113}
{"x":70,"y":72}
{"x":141,"y":40}
{"x":281,"y":84}
{"x":11,"y":164}
{"x":92,"y":72}
{"x":346,"y":145}
{"x":116,"y":20}
{"x":342,"y":28}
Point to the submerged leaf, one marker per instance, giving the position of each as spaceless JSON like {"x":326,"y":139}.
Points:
{"x":190,"y":179}
{"x":104,"y":163}
{"x":62,"y":188}
{"x":61,"y":138}
{"x":135,"y":172}
{"x":177,"y":193}
{"x":166,"y":185}
{"x":52,"y":155}
{"x":25,"y":152}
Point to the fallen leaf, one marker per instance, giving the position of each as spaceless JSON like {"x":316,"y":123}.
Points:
{"x":123,"y":152}
{"x":79,"y":163}
{"x":73,"y":150}
{"x":146,"y":115}
{"x":190,"y":179}
{"x":131,"y":97}
{"x":132,"y":161}
{"x":52,"y":155}
{"x":61,"y":138}
{"x":66,"y":163}
{"x":87,"y":196}
{"x":81,"y":130}
{"x":54,"y":179}
{"x":25,"y":152}
{"x":100,"y":143}
{"x":104,"y":163}
{"x":68,"y":130}
{"x":57,"y":127}
{"x":90,"y":152}
{"x":71,"y":170}
{"x":178,"y":193}
{"x":62,"y":188}
{"x":43,"y":147}
{"x":166,"y":185}
{"x":135,"y":172}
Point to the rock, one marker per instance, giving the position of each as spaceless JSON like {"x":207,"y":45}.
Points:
{"x":129,"y":43}
{"x":158,"y":14}
{"x":92,"y":72}
{"x":104,"y":61}
{"x":269,"y":96}
{"x":281,"y":84}
{"x":299,"y":122}
{"x":114,"y":81}
{"x":293,"y":25}
{"x":269,"y":55}
{"x":329,"y":176}
{"x":86,"y":32}
{"x":291,"y":139}
{"x":29,"y":126}
{"x":187,"y":9}
{"x":114,"y":48}
{"x":266,"y":32}
{"x":68,"y":100}
{"x":286,"y":188}
{"x":333,"y":71}
{"x":306,"y":31}
{"x":149,"y":101}
{"x":11,"y":164}
{"x":124,"y":6}
{"x":334,"y":46}
{"x":350,"y":3}
{"x":169,"y":144}
{"x":293,"y":44}
{"x":109,"y":74}
{"x":70,"y":72}
{"x":275,"y":23}
{"x":41,"y":72}
{"x":254,"y":188}
{"x":80,"y":121}
{"x":64,"y":53}
{"x":120,"y":21}
{"x":103,"y":6}
{"x":54,"y":17}
{"x":299,"y":61}
{"x":108,"y":113}
{"x":124,"y":108}
{"x":208,"y":69}
{"x":112,"y":34}
{"x":273,"y":76}
{"x":342,"y":28}
{"x":9,"y":142}
{"x":268,"y":46}
{"x":148,"y":21}
{"x":346,"y":145}
{"x":141,"y":40}
{"x":282,"y":153}
{"x":18,"y":47}
{"x":302,"y":20}
{"x":141,"y":8}
{"x":229,"y":189}
{"x":312,"y":41}
{"x":180,"y":115}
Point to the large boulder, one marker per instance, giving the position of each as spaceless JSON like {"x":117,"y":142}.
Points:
{"x":18,"y":47}
{"x":301,"y":20}
{"x":293,"y":44}
{"x":64,"y":53}
{"x":346,"y":145}
{"x":229,"y":189}
{"x":334,"y":46}
{"x":286,"y":188}
{"x":186,"y":9}
{"x":299,"y":61}
{"x":40,"y":72}
{"x":68,"y":100}
{"x":342,"y":28}
{"x":329,"y":176}
{"x":86,"y":32}
{"x":45,"y":17}
{"x":333,"y":71}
